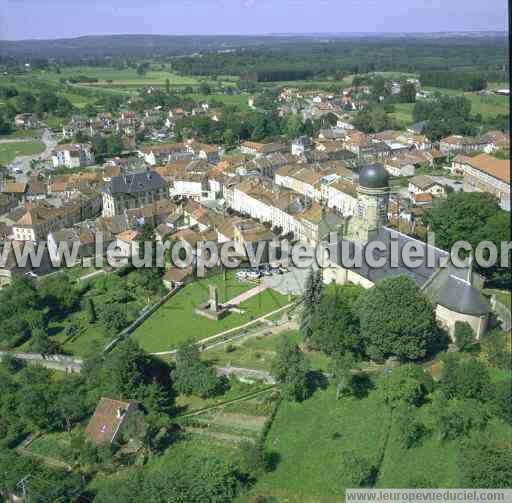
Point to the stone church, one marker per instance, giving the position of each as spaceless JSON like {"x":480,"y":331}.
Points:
{"x":454,"y":291}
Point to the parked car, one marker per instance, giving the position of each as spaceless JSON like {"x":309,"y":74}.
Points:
{"x":241,"y":275}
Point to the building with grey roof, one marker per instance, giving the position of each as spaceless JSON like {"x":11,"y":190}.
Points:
{"x":132,"y":190}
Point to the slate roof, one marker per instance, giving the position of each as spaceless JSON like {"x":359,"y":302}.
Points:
{"x":447,"y":286}
{"x":419,"y":274}
{"x":136,"y":182}
{"x":451,"y":289}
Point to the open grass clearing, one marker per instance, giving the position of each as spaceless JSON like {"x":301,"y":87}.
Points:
{"x":258,"y":352}
{"x":403,"y":113}
{"x":487,"y":106}
{"x":56,"y":446}
{"x":238,"y":100}
{"x":10,"y":150}
{"x":503,"y":296}
{"x":308,"y":439}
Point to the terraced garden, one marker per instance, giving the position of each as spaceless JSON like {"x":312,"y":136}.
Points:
{"x":240,"y":421}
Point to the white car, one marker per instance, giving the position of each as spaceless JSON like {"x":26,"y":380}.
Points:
{"x":254,"y":275}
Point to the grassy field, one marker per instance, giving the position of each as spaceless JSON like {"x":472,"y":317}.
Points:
{"x":176,"y":321}
{"x":503,"y":296}
{"x":10,"y":150}
{"x":403,"y":113}
{"x":126,"y":76}
{"x":125,"y":81}
{"x":23,"y":134}
{"x":309,"y":438}
{"x":258,"y":352}
{"x":431,"y":464}
{"x":54,"y":446}
{"x":487,"y":106}
{"x":186,"y":404}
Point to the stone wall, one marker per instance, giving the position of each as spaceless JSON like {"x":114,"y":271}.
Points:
{"x":54,"y":362}
{"x":146,"y":313}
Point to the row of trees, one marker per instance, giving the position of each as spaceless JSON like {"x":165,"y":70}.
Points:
{"x":446,"y":115}
{"x":235,"y":126}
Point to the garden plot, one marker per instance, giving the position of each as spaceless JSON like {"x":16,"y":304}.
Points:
{"x":234,"y":423}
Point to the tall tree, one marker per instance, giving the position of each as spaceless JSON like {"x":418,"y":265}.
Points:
{"x":396,"y":319}
{"x":192,"y":375}
{"x":341,"y":369}
{"x":334,"y":327}
{"x":311,"y":300}
{"x":464,"y":335}
{"x":290,"y":370}
{"x":408,"y":93}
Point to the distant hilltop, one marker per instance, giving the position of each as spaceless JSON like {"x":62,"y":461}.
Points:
{"x":176,"y":45}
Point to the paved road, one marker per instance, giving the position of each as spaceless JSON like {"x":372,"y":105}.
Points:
{"x":293,"y":282}
{"x":246,"y":295}
{"x":23,"y":162}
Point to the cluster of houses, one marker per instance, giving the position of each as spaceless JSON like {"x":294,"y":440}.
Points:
{"x":344,"y":181}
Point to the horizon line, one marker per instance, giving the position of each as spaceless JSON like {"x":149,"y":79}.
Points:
{"x":262,"y":34}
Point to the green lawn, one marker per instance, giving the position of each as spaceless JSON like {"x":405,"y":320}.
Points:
{"x":10,"y":150}
{"x":186,"y":404}
{"x":431,"y":464}
{"x":403,"y":113}
{"x":176,"y":321}
{"x":503,"y":296}
{"x":25,"y":134}
{"x":258,"y":352}
{"x":488,"y":106}
{"x":309,"y":438}
{"x":125,"y":76}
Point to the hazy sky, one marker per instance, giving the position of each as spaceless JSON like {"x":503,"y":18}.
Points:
{"x":20,"y":19}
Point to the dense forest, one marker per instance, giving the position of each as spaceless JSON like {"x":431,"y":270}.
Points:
{"x":273,"y":58}
{"x":303,"y":59}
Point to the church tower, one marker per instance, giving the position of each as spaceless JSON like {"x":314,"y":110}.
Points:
{"x":373,"y":199}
